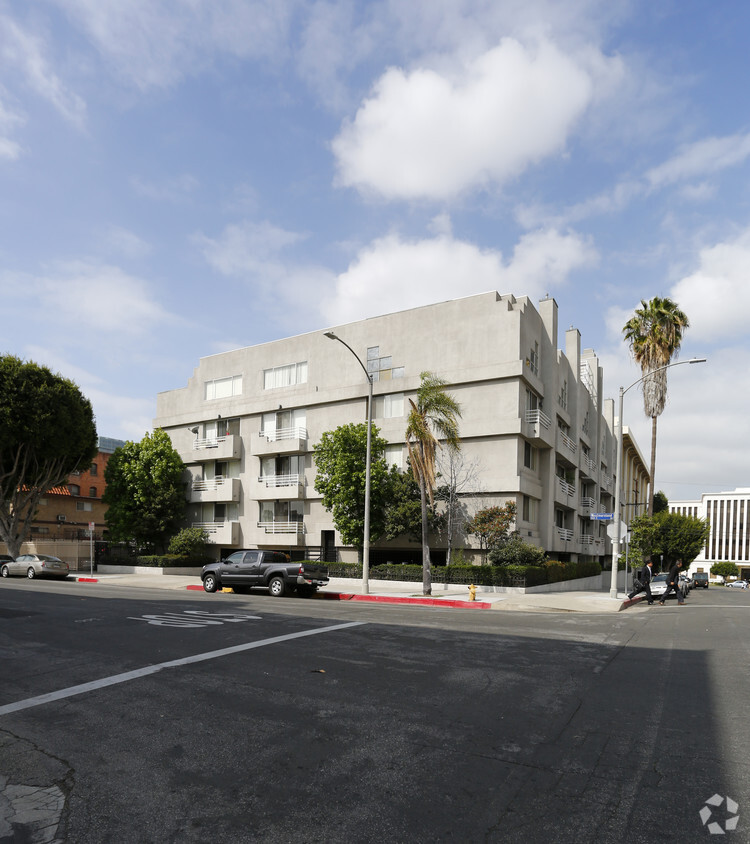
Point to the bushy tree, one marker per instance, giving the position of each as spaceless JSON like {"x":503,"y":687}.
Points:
{"x":189,"y":542}
{"x":671,"y":536}
{"x":725,"y":569}
{"x":513,"y":551}
{"x":404,"y":511}
{"x":661,"y":502}
{"x":47,"y":431}
{"x":491,"y":525}
{"x":145,"y":491}
{"x":341,"y":461}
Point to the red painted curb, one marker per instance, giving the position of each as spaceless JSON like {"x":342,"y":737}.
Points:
{"x":87,"y":579}
{"x":194,"y":587}
{"x":425,"y":602}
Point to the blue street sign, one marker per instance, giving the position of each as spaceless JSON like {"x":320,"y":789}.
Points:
{"x":601,"y":516}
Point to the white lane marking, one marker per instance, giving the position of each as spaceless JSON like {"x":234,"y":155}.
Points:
{"x":153,"y":669}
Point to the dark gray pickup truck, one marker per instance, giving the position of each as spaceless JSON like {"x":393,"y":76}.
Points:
{"x":244,"y":569}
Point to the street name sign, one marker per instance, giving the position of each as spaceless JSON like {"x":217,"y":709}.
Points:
{"x":601,"y":516}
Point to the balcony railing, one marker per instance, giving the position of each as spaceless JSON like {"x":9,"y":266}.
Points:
{"x":285,"y":434}
{"x":588,"y":503}
{"x":565,"y":487}
{"x":538,"y":417}
{"x":207,"y":484}
{"x":275,"y":481}
{"x":589,"y":465}
{"x":607,"y":482}
{"x":565,"y":533}
{"x":567,"y":442}
{"x":208,"y":442}
{"x":587,"y":539}
{"x":282,"y":527}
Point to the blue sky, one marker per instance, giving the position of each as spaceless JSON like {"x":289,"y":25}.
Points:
{"x":181,"y":177}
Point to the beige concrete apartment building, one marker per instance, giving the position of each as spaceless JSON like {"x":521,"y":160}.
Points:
{"x":533,"y":418}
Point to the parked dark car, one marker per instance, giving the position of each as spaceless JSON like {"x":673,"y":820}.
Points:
{"x":245,"y":569}
{"x":700,"y":578}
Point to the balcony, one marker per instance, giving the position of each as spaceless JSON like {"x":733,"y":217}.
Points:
{"x":281,"y":534}
{"x":607,"y":482}
{"x":566,"y":445}
{"x":220,"y":533}
{"x":565,"y":534}
{"x":586,"y":539}
{"x":588,"y":466}
{"x":216,"y":489}
{"x":280,"y":441}
{"x":275,"y":487}
{"x":565,"y":489}
{"x":537,"y":427}
{"x":213,"y":448}
{"x":588,"y":504}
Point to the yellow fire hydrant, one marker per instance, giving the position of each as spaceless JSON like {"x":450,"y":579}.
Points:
{"x":472,"y":592}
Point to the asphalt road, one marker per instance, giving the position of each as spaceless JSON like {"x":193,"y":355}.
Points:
{"x":153,"y":716}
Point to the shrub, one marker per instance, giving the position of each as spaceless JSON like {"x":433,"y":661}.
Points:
{"x":515,"y":551}
{"x":189,"y":542}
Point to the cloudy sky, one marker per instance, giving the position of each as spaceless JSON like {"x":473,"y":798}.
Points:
{"x":181,"y":177}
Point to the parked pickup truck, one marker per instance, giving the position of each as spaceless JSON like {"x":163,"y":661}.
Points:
{"x":244,"y":569}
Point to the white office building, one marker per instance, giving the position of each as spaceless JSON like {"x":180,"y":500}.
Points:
{"x":533,"y":418}
{"x":729,"y":540}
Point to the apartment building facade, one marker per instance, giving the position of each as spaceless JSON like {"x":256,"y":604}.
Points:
{"x":728,"y":515}
{"x":533,"y":420}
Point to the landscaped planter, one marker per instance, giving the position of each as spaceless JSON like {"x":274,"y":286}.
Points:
{"x":155,"y":570}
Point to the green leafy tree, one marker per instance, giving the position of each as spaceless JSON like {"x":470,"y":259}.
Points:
{"x":669,"y":536}
{"x":189,"y":542}
{"x":404,"y":513}
{"x":47,"y":431}
{"x":513,"y":551}
{"x":725,"y":569}
{"x":661,"y":503}
{"x":654,"y":334}
{"x":341,"y":461}
{"x":456,"y":477}
{"x":491,"y":525}
{"x":433,"y":417}
{"x":145,"y":491}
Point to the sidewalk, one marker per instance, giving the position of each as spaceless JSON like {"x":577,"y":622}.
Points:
{"x":381,"y":591}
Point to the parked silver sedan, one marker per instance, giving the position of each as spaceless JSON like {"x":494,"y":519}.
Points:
{"x":36,"y":565}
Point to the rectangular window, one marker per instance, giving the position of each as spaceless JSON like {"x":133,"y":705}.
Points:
{"x":529,"y":456}
{"x":94,"y":470}
{"x":529,"y":509}
{"x":394,"y":456}
{"x":389,"y":406}
{"x":83,"y":505}
{"x":534,"y":359}
{"x":285,"y":376}
{"x":223,"y":388}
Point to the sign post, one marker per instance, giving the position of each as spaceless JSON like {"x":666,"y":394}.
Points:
{"x":92,"y":525}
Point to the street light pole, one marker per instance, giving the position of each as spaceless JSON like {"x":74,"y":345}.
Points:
{"x":366,"y":538}
{"x":618,"y":471}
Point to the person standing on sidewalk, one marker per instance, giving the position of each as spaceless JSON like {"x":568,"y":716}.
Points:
{"x":642,"y":582}
{"x":673,"y":582}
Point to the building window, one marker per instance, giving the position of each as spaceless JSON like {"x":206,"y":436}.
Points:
{"x":382,"y":368}
{"x":389,"y":406}
{"x":223,"y":388}
{"x":92,"y":492}
{"x":529,"y":456}
{"x":394,"y":456}
{"x":529,"y":509}
{"x":83,"y":505}
{"x":74,"y":489}
{"x":285,"y":376}
{"x":563,"y":397}
{"x":534,"y":359}
{"x":533,"y":402}
{"x":585,"y":423}
{"x":94,"y":470}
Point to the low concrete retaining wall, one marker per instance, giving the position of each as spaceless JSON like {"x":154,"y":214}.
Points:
{"x":109,"y":569}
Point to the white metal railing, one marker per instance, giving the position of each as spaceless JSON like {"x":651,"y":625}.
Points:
{"x":565,"y":487}
{"x":282,"y":527}
{"x":565,"y":533}
{"x":587,"y":539}
{"x":272,"y":481}
{"x":538,"y":417}
{"x":208,"y":442}
{"x":207,"y":484}
{"x":589,"y":464}
{"x":210,"y":527}
{"x":566,"y":440}
{"x":607,"y":481}
{"x":588,"y":503}
{"x":285,"y":434}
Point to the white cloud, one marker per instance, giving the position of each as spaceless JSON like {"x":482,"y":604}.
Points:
{"x":394,"y":274}
{"x":248,"y":248}
{"x":716,"y":297}
{"x":425,"y":134}
{"x":701,"y":158}
{"x":24,"y":51}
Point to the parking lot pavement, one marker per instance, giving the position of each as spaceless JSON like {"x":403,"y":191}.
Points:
{"x":444,"y":595}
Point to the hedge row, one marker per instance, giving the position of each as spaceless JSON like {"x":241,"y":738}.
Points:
{"x":165,"y":561}
{"x":551,"y":571}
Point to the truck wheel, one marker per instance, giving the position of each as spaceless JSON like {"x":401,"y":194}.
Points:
{"x":276,"y":587}
{"x":210,"y":584}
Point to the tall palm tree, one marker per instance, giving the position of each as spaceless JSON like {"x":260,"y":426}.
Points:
{"x":654,"y":334}
{"x":433,"y":417}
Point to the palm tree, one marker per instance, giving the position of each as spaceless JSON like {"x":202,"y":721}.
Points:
{"x":432,"y":417}
{"x":654,"y":334}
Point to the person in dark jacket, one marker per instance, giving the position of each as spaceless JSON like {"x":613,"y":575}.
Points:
{"x":673,"y":582}
{"x":642,"y":582}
